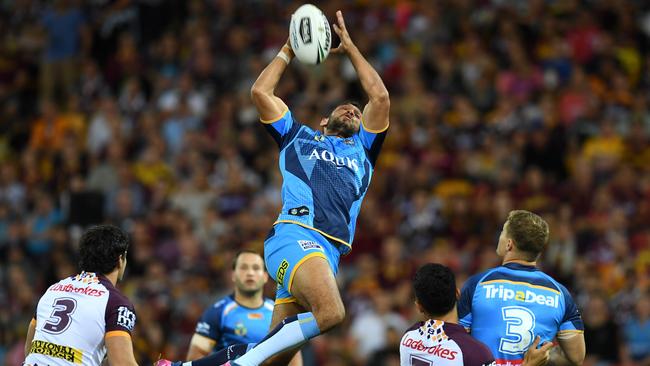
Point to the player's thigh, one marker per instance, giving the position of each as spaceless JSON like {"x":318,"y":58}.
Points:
{"x":314,"y":287}
{"x":290,"y":357}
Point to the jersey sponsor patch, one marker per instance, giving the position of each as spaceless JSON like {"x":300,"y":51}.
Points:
{"x":309,"y":245}
{"x":125,"y":317}
{"x":255,"y":316}
{"x":299,"y":211}
{"x":202,"y":327}
{"x":55,"y":350}
{"x":89,"y":291}
{"x":503,"y":293}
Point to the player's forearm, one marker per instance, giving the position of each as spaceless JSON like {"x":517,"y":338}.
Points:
{"x":270,"y":76}
{"x":559,"y":357}
{"x":370,"y":79}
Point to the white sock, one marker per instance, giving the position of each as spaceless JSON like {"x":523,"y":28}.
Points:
{"x":292,"y":332}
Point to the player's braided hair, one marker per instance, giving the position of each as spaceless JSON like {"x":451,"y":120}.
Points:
{"x":435,"y":288}
{"x":100,"y":248}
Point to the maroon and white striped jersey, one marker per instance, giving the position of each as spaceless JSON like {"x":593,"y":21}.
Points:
{"x":435,"y":342}
{"x":73,"y":318}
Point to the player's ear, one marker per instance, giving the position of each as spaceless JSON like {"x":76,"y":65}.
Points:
{"x":324,"y":121}
{"x":266,"y":277}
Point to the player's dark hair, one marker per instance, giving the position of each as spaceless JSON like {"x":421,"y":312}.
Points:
{"x":349,"y":101}
{"x":435,"y":288}
{"x":239,"y":253}
{"x":100,"y":248}
{"x":529,"y":232}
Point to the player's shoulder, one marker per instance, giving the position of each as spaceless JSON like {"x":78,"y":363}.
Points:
{"x":515,"y":272}
{"x":222,"y":302}
{"x":116,"y":298}
{"x":474,"y":280}
{"x":268,"y":304}
{"x":474,"y":351}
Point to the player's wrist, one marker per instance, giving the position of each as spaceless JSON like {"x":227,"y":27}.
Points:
{"x":285,"y":54}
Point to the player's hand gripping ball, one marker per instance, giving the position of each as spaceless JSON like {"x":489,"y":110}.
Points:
{"x":310,"y":35}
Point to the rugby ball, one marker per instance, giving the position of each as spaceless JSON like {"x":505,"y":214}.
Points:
{"x":310,"y":35}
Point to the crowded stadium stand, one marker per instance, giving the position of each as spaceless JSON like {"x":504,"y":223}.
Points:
{"x":138,"y":113}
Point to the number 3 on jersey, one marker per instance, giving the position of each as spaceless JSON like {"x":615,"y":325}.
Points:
{"x":59,"y":321}
{"x":520,"y":323}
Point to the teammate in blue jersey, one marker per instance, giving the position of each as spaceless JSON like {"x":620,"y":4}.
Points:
{"x":242,"y":317}
{"x":507,"y":306}
{"x":439,"y":340}
{"x":325,"y":177}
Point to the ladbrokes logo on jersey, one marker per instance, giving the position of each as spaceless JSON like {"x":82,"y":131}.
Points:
{"x":339,"y":161}
{"x":528,"y":296}
{"x":77,"y":290}
{"x":436,"y":350}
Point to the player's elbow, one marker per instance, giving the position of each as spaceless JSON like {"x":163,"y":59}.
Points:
{"x":381,"y":98}
{"x":258,"y":92}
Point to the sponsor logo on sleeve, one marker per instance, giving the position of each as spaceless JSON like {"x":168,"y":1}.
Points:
{"x":309,"y":245}
{"x":282,"y":271}
{"x":125,"y":318}
{"x":299,"y":211}
{"x":202,"y":327}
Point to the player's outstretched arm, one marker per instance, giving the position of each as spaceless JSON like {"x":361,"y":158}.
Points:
{"x":268,"y":105}
{"x":375,"y":113}
{"x":119,"y":349}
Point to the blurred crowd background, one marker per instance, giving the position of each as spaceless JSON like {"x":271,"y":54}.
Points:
{"x":138,"y":113}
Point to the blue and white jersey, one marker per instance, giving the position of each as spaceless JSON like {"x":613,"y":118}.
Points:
{"x":507,"y":306}
{"x":324,"y":177}
{"x":227,"y":322}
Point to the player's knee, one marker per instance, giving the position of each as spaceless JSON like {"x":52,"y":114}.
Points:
{"x":329,"y":316}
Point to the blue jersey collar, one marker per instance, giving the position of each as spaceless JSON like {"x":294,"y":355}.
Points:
{"x":520,"y":267}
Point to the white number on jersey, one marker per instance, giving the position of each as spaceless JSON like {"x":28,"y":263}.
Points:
{"x":417,"y":361}
{"x":59,"y":321}
{"x":520,"y":323}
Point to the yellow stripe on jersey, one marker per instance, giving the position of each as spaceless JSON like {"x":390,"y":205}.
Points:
{"x":300,"y":262}
{"x":373,"y":131}
{"x":117,"y":333}
{"x":521,"y":283}
{"x":54,"y":350}
{"x":287,"y":300}
{"x":316,"y":230}
{"x":273,"y":120}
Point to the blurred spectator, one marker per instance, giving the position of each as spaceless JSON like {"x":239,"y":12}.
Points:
{"x":138,"y":114}
{"x":637,"y":333}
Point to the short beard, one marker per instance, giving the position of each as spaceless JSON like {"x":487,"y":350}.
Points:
{"x":249,"y":293}
{"x":336,"y":126}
